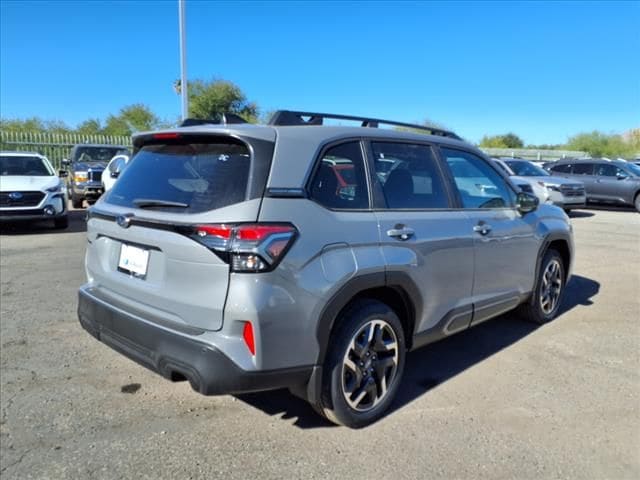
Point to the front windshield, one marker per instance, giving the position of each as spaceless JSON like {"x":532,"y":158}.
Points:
{"x":526,"y":169}
{"x":12,"y":165}
{"x":635,"y":169}
{"x":97,"y":154}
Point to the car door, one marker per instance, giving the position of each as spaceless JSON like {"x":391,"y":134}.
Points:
{"x":506,"y":247}
{"x":609,"y":182}
{"x":422,"y":237}
{"x":583,"y":172}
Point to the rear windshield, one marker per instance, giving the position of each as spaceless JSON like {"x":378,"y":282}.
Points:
{"x":13,"y":165}
{"x":187,"y":178}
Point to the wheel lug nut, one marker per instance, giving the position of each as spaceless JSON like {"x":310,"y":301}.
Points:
{"x":367,"y":354}
{"x":362,"y":364}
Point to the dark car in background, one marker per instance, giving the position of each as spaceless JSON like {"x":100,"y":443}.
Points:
{"x":609,"y":181}
{"x":86,"y":164}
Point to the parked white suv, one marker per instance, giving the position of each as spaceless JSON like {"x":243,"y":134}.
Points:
{"x":30,"y":190}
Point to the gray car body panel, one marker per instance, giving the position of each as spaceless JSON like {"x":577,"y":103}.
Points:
{"x":605,"y":188}
{"x":452,"y":276}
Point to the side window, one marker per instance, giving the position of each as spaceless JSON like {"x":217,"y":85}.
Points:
{"x":606,"y":170}
{"x":566,"y":168}
{"x":480,"y":186}
{"x":583,"y":169}
{"x":339,"y":181}
{"x":409,"y":175}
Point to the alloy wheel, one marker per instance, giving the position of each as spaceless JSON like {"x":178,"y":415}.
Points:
{"x":370,"y":365}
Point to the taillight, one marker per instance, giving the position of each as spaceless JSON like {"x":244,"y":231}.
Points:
{"x":256,"y":247}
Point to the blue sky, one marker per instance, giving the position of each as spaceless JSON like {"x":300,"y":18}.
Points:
{"x":544,"y":70}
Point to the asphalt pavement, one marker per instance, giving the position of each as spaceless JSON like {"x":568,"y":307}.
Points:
{"x":502,"y":400}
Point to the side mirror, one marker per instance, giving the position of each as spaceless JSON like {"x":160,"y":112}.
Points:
{"x":63,"y":173}
{"x":65,"y":161}
{"x":526,"y":203}
{"x":621,"y":176}
{"x":115,"y":174}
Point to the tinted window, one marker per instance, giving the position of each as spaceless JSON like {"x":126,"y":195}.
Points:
{"x":526,"y":169}
{"x":479,"y":185}
{"x":607,"y":170}
{"x":96,"y":154}
{"x":412,"y":180}
{"x":202,"y":176}
{"x":566,"y":168}
{"x":27,"y":165}
{"x":583,"y":169}
{"x":340,"y":181}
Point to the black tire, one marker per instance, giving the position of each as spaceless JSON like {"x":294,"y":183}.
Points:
{"x":76,"y":201}
{"x":636,"y":202}
{"x":550,"y":283}
{"x":381,"y":363}
{"x":61,"y":223}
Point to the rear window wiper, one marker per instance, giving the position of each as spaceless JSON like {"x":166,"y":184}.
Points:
{"x":150,"y":202}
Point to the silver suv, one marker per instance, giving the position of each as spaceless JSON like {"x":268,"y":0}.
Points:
{"x":253,"y":257}
{"x":609,"y":181}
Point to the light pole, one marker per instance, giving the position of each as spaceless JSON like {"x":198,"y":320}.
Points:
{"x":183,"y":61}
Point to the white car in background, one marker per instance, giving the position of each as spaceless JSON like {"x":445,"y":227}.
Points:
{"x":525,"y":184}
{"x":30,"y":189}
{"x":564,"y":193}
{"x":114,"y":168}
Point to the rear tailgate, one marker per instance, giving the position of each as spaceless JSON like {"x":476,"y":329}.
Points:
{"x":137,"y":252}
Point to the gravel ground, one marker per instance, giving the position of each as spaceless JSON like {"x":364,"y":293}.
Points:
{"x":503,"y":400}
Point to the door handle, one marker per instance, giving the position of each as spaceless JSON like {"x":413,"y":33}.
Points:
{"x":482,"y":228}
{"x":401,"y":232}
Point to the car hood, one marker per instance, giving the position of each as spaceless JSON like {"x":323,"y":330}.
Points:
{"x":555,"y":180}
{"x":86,"y":166}
{"x":20,"y":183}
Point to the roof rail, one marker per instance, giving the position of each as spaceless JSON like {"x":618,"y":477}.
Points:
{"x":223,"y":119}
{"x":289,"y":118}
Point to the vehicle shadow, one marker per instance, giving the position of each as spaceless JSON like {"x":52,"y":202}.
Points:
{"x":434,"y":364}
{"x":77,"y":223}
{"x":580,"y":214}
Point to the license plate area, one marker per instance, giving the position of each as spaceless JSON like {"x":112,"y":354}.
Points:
{"x":133,"y":261}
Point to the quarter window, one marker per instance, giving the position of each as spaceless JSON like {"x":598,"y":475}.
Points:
{"x":409,"y":176}
{"x":340,"y":182}
{"x":479,"y":185}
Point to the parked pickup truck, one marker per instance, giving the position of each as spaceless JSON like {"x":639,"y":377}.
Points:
{"x":86,"y":164}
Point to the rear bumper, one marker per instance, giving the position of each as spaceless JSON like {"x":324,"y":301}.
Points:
{"x":168,"y":353}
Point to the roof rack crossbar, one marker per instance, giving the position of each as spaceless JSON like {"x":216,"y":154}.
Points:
{"x":223,"y":119}
{"x":290,"y":118}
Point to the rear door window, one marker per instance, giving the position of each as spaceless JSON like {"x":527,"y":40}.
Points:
{"x":565,"y":168}
{"x":583,"y":169}
{"x":185,"y":177}
{"x":413,"y":180}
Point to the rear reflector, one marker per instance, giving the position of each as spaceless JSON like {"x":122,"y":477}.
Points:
{"x":247,"y":335}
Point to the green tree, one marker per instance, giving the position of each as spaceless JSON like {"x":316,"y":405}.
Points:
{"x":130,"y":119}
{"x":209,"y":99}
{"x":599,"y":144}
{"x":91,"y":126}
{"x":509,"y":140}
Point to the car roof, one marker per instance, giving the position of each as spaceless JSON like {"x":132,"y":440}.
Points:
{"x":22,"y":154}
{"x":100,"y":145}
{"x":297,"y":146}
